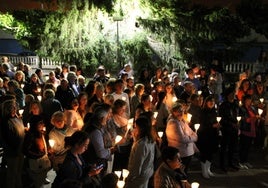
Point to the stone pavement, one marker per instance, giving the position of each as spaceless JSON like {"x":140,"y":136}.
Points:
{"x":255,"y":177}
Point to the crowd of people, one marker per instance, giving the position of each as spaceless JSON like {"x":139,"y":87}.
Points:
{"x":70,"y":124}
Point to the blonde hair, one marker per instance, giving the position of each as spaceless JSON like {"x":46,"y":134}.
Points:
{"x":57,"y":116}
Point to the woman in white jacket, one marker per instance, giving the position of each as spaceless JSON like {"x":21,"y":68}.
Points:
{"x":180,"y":135}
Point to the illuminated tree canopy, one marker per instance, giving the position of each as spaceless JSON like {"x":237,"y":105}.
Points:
{"x":85,"y":31}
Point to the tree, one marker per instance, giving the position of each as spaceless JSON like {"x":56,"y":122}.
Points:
{"x":193,"y":27}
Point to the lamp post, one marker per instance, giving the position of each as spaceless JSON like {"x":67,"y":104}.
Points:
{"x":117,"y":19}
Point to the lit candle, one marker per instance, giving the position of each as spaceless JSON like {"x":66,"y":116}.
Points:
{"x":39,"y":97}
{"x":118,"y":173}
{"x":46,"y":77}
{"x":160,"y":133}
{"x":129,"y":125}
{"x":238,"y":118}
{"x":260,"y":111}
{"x":120,"y":184}
{"x":218,"y":119}
{"x":151,"y":98}
{"x":51,"y":142}
{"x":155,"y":115}
{"x":125,"y":173}
{"x":118,"y":138}
{"x":28,"y":125}
{"x":189,"y":117}
{"x":194,"y":185}
{"x":196,"y":126}
{"x":261,"y":99}
{"x":21,"y":111}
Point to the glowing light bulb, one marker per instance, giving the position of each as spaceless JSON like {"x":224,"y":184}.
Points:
{"x":218,"y":119}
{"x":261,"y":99}
{"x":39,"y":97}
{"x":120,"y":184}
{"x":199,"y":92}
{"x":125,"y":173}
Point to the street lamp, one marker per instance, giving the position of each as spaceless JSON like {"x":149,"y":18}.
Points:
{"x":117,"y":19}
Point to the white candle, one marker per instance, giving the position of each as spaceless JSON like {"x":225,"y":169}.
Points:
{"x":194,"y":185}
{"x":218,"y":119}
{"x":120,"y":184}
{"x":238,"y":118}
{"x":46,"y":77}
{"x":196,"y":126}
{"x":260,"y":111}
{"x":155,"y":115}
{"x":189,"y":117}
{"x":118,"y":138}
{"x":125,"y":173}
{"x":51,"y":142}
{"x":118,"y":173}
{"x":21,"y":111}
{"x":151,"y":98}
{"x":160,"y":133}
{"x":39,"y":97}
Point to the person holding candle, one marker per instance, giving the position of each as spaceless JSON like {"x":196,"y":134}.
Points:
{"x":12,"y":135}
{"x":208,"y":135}
{"x":248,"y":130}
{"x":141,"y":160}
{"x":180,"y":135}
{"x":36,"y":151}
{"x":58,"y":134}
{"x":118,"y":125}
{"x":229,"y":110}
{"x":101,"y":147}
{"x":162,"y":112}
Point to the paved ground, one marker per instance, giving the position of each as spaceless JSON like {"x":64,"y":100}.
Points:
{"x":251,"y":178}
{"x":257,"y":177}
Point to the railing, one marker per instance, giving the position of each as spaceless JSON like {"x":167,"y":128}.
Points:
{"x":239,"y":67}
{"x":35,"y":62}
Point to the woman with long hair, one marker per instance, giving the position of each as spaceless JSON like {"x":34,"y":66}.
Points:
{"x":141,"y":160}
{"x":74,"y":166}
{"x":208,"y":135}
